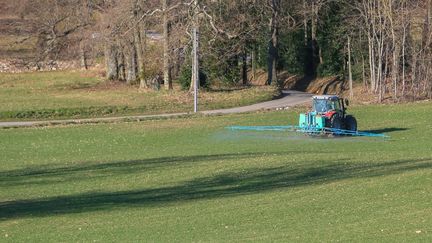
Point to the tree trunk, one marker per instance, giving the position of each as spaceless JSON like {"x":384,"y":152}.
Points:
{"x":244,"y":68}
{"x":414,"y":72}
{"x":395,"y":52}
{"x":371,"y":62}
{"x":131,"y":65}
{"x":138,"y":48}
{"x":350,"y":79}
{"x":305,"y":23}
{"x":404,"y":34}
{"x":179,"y":58}
{"x":143,"y":81}
{"x":316,"y":53}
{"x":139,"y":55}
{"x":427,"y":49}
{"x":83,"y":56}
{"x":273,"y":44}
{"x":365,"y":84}
{"x":111,"y":62}
{"x":121,"y":64}
{"x":254,"y":57}
{"x":395,"y":69}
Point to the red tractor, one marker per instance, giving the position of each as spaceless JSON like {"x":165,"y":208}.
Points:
{"x":328,"y":111}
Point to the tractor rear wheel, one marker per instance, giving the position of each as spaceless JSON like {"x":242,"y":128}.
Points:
{"x":351,"y":123}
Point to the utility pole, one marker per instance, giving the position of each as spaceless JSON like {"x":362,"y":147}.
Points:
{"x":166,"y":52}
{"x":195,"y":58}
{"x":195,"y":68}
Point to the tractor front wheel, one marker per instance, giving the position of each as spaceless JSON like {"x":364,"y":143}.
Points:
{"x":336,"y":122}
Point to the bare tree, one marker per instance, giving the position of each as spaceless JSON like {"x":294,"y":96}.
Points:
{"x":273,"y":42}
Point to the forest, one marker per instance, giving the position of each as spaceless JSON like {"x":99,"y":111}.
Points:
{"x":383,"y":45}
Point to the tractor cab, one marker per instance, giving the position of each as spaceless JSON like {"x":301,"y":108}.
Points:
{"x":328,"y":105}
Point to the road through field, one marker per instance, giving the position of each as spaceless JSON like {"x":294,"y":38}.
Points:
{"x":289,"y":98}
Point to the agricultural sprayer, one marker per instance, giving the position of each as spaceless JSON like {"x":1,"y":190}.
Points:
{"x":328,"y":117}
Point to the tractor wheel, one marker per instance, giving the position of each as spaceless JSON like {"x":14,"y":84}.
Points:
{"x":351,"y":123}
{"x":336,"y":122}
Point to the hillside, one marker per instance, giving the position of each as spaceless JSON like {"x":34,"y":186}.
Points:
{"x":15,"y":33}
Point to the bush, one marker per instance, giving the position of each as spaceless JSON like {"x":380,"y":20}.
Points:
{"x":186,"y":77}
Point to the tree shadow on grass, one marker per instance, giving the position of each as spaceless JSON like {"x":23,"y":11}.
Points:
{"x":386,"y":130}
{"x":252,"y":181}
{"x":49,"y":174}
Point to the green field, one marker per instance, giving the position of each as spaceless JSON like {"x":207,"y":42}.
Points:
{"x":190,"y":180}
{"x":77,"y":94}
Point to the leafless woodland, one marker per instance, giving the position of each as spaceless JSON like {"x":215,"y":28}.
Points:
{"x":148,"y":41}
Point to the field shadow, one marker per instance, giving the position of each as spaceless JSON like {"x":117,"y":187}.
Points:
{"x":251,"y":181}
{"x":387,"y":130}
{"x":49,"y":174}
{"x":74,"y":86}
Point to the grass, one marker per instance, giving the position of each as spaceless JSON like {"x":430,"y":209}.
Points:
{"x":190,"y":180}
{"x":73,"y":94}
